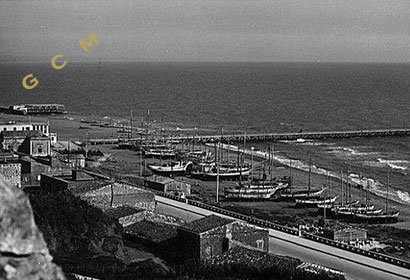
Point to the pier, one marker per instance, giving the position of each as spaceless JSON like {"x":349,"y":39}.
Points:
{"x":254,"y":137}
{"x":298,"y":135}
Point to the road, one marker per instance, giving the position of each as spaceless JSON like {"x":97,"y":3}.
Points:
{"x":355,"y":266}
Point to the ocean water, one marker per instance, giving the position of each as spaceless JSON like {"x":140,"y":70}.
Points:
{"x":250,"y":97}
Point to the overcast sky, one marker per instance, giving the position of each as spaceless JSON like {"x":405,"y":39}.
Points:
{"x":207,"y":30}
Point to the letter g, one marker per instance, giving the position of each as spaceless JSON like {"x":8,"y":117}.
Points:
{"x":33,"y":81}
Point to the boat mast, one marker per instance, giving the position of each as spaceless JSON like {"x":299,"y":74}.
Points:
{"x":360,"y":188}
{"x":130,"y":125}
{"x":217,"y":174}
{"x":239,"y":166}
{"x":310,"y":171}
{"x":387,"y":190}
{"x":367,"y":193}
{"x":341,"y":187}
{"x":290,"y":175}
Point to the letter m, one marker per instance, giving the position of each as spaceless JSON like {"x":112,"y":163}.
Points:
{"x":84,"y":43}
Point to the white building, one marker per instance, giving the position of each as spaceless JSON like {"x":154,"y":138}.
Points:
{"x":14,"y":126}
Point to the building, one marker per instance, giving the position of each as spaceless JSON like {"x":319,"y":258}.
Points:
{"x":44,"y":128}
{"x":11,"y":140}
{"x":345,"y":234}
{"x":168,"y":185}
{"x":98,"y":190}
{"x":213,"y":235}
{"x":36,"y":146}
{"x":11,"y":172}
{"x":126,"y":215}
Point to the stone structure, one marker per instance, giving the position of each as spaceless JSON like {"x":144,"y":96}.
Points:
{"x":126,"y":215}
{"x":346,"y":234}
{"x":36,"y":146}
{"x":168,"y":185}
{"x":213,"y":235}
{"x":99,"y":191}
{"x":23,"y":251}
{"x":11,"y":172}
{"x":11,"y":140}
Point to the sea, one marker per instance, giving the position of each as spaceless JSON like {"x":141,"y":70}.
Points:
{"x":248,"y":97}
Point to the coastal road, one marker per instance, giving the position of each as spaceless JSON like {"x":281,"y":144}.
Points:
{"x":355,"y":266}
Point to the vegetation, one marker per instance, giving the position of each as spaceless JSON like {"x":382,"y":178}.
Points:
{"x":84,"y":240}
{"x":240,"y":263}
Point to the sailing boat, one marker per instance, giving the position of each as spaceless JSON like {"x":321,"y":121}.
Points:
{"x":255,"y":189}
{"x":303,"y":194}
{"x":386,"y":216}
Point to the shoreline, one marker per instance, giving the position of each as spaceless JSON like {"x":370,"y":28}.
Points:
{"x":351,"y":178}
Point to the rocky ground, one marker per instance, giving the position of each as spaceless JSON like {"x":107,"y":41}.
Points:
{"x":23,"y":251}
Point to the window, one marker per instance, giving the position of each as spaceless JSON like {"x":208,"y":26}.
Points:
{"x":14,"y":128}
{"x":27,"y":128}
{"x":208,"y":251}
{"x":40,"y":149}
{"x":259,"y":244}
{"x":5,"y":128}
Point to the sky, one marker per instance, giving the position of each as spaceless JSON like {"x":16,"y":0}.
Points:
{"x":207,"y":30}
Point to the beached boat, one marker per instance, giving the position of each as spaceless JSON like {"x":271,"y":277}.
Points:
{"x":304,"y":193}
{"x":254,"y":190}
{"x":160,"y":153}
{"x":314,"y":202}
{"x":296,"y":194}
{"x":209,"y":171}
{"x":174,"y":168}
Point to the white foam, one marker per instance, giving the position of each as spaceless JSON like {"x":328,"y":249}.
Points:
{"x":395,"y":164}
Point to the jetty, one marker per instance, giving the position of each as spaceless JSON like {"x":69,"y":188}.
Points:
{"x":254,"y":137}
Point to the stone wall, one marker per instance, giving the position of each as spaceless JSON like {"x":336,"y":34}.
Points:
{"x":121,"y":195}
{"x":249,"y":235}
{"x":11,"y":172}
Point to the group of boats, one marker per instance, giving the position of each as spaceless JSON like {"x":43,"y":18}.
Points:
{"x":358,"y":211}
{"x":201,"y":165}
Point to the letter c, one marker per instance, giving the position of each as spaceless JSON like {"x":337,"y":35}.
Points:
{"x":33,"y":81}
{"x":55,"y":66}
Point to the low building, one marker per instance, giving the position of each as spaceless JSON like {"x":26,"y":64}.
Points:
{"x":213,"y":235}
{"x":36,"y":146}
{"x":126,"y":215}
{"x":11,"y":140}
{"x":11,"y":172}
{"x":345,"y":234}
{"x":44,"y":128}
{"x":168,"y":185}
{"x":99,"y":191}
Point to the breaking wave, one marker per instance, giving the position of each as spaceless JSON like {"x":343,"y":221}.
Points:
{"x":395,"y":164}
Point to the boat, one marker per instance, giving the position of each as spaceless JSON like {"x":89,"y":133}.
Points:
{"x":370,"y":215}
{"x":383,"y":217}
{"x":173,"y":168}
{"x":303,"y":193}
{"x":254,"y":190}
{"x":163,"y":153}
{"x":225,"y":173}
{"x":314,"y":202}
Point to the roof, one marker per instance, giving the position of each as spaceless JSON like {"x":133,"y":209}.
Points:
{"x":160,"y":179}
{"x":205,"y":224}
{"x":156,"y":232}
{"x":21,"y":134}
{"x":122,"y":211}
